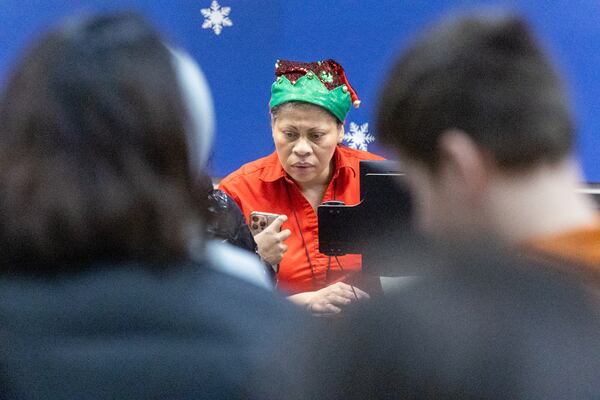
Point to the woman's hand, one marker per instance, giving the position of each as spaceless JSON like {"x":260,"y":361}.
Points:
{"x":330,"y":300}
{"x":270,"y":241}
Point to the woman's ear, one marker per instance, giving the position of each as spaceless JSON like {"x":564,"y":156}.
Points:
{"x":272,"y":126}
{"x":341,"y":134}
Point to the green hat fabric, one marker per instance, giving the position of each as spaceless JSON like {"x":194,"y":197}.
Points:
{"x":322,"y":83}
{"x":310,"y":89}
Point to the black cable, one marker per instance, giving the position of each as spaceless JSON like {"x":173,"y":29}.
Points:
{"x":342,"y":269}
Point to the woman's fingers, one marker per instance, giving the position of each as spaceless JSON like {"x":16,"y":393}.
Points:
{"x":284,"y":234}
{"x":334,"y":298}
{"x":276,"y":224}
{"x":360,"y":294}
{"x":339,"y":300}
{"x":349,"y":291}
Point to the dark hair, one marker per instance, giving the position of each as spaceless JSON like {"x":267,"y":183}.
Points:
{"x":301,"y":104}
{"x":93,"y":155}
{"x":486,"y":75}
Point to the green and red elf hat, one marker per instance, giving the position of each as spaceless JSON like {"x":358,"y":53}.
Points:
{"x":322,"y":83}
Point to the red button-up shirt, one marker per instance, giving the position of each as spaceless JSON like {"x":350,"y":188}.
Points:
{"x":263,"y":185}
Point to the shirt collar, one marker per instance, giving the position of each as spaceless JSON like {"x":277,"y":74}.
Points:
{"x":342,"y":161}
{"x":273,"y":170}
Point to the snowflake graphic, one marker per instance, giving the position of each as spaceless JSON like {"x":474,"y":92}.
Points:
{"x":358,"y":137}
{"x":216,"y":17}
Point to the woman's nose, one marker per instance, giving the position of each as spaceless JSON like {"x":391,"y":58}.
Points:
{"x":302,"y":147}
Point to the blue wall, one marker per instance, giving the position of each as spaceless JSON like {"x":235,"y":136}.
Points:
{"x":362,"y":35}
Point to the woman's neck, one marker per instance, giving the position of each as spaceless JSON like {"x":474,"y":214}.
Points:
{"x":314,"y":194}
{"x":315,"y":191}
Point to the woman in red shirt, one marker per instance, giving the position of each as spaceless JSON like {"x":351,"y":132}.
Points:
{"x":309,"y":102}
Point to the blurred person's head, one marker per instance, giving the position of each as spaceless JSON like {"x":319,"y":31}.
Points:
{"x":477,"y":113}
{"x":99,"y":148}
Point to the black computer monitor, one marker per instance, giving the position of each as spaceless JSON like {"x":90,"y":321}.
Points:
{"x":385,"y":209}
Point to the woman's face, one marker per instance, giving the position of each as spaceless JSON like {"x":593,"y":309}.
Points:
{"x":305,"y":138}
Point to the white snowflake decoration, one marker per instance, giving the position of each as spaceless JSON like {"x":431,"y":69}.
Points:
{"x":216,"y":17}
{"x":358,"y":137}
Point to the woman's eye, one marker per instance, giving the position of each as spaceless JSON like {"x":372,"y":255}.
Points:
{"x":290,"y":135}
{"x":316,"y":136}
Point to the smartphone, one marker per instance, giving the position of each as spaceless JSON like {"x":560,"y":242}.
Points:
{"x":259,"y":221}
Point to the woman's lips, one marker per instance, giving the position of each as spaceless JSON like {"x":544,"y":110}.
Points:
{"x":302,"y":165}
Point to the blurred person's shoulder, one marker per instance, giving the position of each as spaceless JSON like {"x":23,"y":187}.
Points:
{"x":239,"y":263}
{"x":157,"y":324}
{"x":495,"y":272}
{"x":202,"y":283}
{"x":465,"y":325}
{"x":575,"y":252}
{"x":240,"y":291}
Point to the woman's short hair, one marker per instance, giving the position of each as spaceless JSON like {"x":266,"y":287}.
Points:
{"x":275,"y":111}
{"x":93,"y":155}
